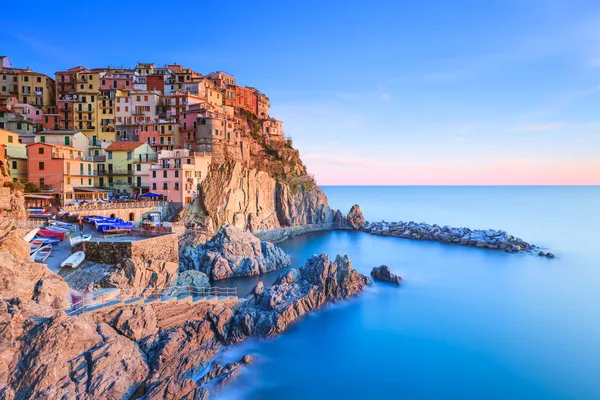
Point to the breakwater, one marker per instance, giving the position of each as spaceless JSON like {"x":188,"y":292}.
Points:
{"x":489,"y":239}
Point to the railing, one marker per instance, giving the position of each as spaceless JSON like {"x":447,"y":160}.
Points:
{"x":107,"y":299}
{"x":115,"y":205}
{"x":72,"y":157}
{"x":27,"y":223}
{"x":116,"y":172}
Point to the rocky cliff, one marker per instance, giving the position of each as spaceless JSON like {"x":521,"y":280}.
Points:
{"x":150,"y":350}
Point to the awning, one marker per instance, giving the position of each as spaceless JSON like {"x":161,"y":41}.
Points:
{"x":89,"y":189}
{"x":150,"y":194}
{"x":39,"y":196}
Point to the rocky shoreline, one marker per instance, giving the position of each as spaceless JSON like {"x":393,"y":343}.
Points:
{"x":488,"y":239}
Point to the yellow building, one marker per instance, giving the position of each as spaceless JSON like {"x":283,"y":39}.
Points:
{"x":121,"y":166}
{"x":36,"y":89}
{"x":85,"y":110}
{"x":106,"y":115}
{"x":16,"y":154}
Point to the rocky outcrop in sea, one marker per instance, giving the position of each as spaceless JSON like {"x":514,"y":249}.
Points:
{"x":384,"y":274}
{"x":233,"y":253}
{"x":489,"y":239}
{"x":294,"y":294}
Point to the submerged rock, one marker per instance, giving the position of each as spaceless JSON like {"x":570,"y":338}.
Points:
{"x":220,"y":375}
{"x":234,"y":253}
{"x":384,"y":274}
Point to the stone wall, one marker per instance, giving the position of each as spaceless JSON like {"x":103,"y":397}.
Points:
{"x":164,"y":248}
{"x":120,"y":210}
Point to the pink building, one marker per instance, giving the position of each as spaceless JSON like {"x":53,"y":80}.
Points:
{"x":115,"y":80}
{"x":178,"y":174}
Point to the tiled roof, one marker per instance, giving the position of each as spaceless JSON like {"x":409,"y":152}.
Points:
{"x":124,"y":146}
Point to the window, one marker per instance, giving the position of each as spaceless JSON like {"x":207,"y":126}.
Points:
{"x":41,"y":182}
{"x":18,"y":125}
{"x":145,"y":98}
{"x":14,"y":165}
{"x":110,"y":155}
{"x":153,"y":186}
{"x":129,"y":155}
{"x":90,"y":181}
{"x":81,"y":181}
{"x":165,"y":186}
{"x":41,"y":165}
{"x":164,"y":174}
{"x":154,"y":174}
{"x":40,"y":150}
{"x":138,"y":167}
{"x":67,"y":141}
{"x":176,"y":185}
{"x":176,"y":174}
{"x":39,"y":79}
{"x":129,"y":180}
{"x":68,"y":180}
{"x":10,"y":139}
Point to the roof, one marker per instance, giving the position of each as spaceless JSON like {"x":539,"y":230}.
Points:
{"x":39,"y":196}
{"x":124,"y":146}
{"x":54,"y":146}
{"x":88,"y":189}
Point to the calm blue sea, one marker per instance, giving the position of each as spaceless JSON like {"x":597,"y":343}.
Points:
{"x":467,"y":323}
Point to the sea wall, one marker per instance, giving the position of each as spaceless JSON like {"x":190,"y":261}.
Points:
{"x":288,"y":232}
{"x":164,"y":248}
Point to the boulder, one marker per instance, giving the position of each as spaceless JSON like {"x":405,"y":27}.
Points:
{"x":384,"y":274}
{"x":234,"y":253}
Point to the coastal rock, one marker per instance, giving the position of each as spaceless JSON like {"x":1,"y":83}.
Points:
{"x":234,"y":253}
{"x":384,"y":274}
{"x":550,"y":255}
{"x":191,"y":281}
{"x":355,"y":217}
{"x":295,"y":294}
{"x":339,"y":220}
{"x":149,"y":276}
{"x":219,"y":375}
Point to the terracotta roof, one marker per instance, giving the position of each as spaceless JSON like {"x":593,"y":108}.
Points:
{"x":124,"y":146}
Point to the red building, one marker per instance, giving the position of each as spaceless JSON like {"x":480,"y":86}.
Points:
{"x":50,"y":118}
{"x":245,"y":98}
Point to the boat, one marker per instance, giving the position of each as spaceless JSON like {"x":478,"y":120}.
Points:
{"x":56,"y":229}
{"x":35,"y":244}
{"x":97,"y":222}
{"x":40,"y":215}
{"x":74,"y":260}
{"x":31,"y":234}
{"x":64,"y":225}
{"x":78,"y":239}
{"x":35,"y":210}
{"x":51,"y":234}
{"x":46,"y":240}
{"x":90,"y":218}
{"x":116,"y":228}
{"x":41,"y":254}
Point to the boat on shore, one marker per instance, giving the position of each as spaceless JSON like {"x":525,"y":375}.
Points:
{"x":45,"y":240}
{"x":64,"y":225}
{"x":40,"y":215}
{"x":57,"y":229}
{"x":78,"y":239}
{"x":41,"y":254}
{"x":115,"y":228}
{"x":31,"y":234}
{"x":51,"y":234}
{"x":74,"y":260}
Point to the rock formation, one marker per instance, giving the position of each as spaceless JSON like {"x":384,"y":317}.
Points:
{"x":355,"y":218}
{"x":384,"y":274}
{"x":293,"y":295}
{"x":234,"y":253}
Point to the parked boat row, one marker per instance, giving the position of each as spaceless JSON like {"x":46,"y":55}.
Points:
{"x":108,"y":225}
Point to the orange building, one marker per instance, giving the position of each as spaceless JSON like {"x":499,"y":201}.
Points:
{"x":59,"y":170}
{"x":245,"y":98}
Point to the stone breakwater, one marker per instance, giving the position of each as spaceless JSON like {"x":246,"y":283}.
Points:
{"x":488,"y":239}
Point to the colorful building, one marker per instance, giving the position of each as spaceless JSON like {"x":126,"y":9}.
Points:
{"x":59,"y":170}
{"x":75,"y":139}
{"x":36,"y":89}
{"x":245,"y":98}
{"x":121,"y":166}
{"x":178,"y":174}
{"x":16,"y":154}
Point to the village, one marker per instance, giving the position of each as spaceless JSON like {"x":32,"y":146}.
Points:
{"x":101,"y":134}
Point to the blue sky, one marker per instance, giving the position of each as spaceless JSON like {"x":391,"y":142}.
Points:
{"x":378,"y":92}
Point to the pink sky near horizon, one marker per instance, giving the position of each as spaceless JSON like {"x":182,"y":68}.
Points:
{"x":329,"y":171}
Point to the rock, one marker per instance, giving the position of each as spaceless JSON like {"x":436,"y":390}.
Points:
{"x":541,"y":254}
{"x":549,"y":255}
{"x":339,"y":221}
{"x":220,"y":375}
{"x":384,"y":274}
{"x":234,"y":253}
{"x":135,"y":322}
{"x":317,"y":282}
{"x":355,"y":217}
{"x":190,"y":282}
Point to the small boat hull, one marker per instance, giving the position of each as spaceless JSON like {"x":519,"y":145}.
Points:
{"x":41,"y":254}
{"x":74,"y":260}
{"x":46,"y":240}
{"x":51,"y":234}
{"x":57,"y":229}
{"x":78,"y":239}
{"x":62,"y":225}
{"x":31,"y":234}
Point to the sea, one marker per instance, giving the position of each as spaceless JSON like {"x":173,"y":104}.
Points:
{"x":466,"y":323}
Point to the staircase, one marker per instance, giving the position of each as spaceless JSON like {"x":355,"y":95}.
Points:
{"x":106,"y":298}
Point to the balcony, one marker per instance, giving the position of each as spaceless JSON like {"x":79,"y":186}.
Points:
{"x":115,"y":172}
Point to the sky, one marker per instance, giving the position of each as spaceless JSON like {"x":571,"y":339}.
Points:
{"x":372,"y":92}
